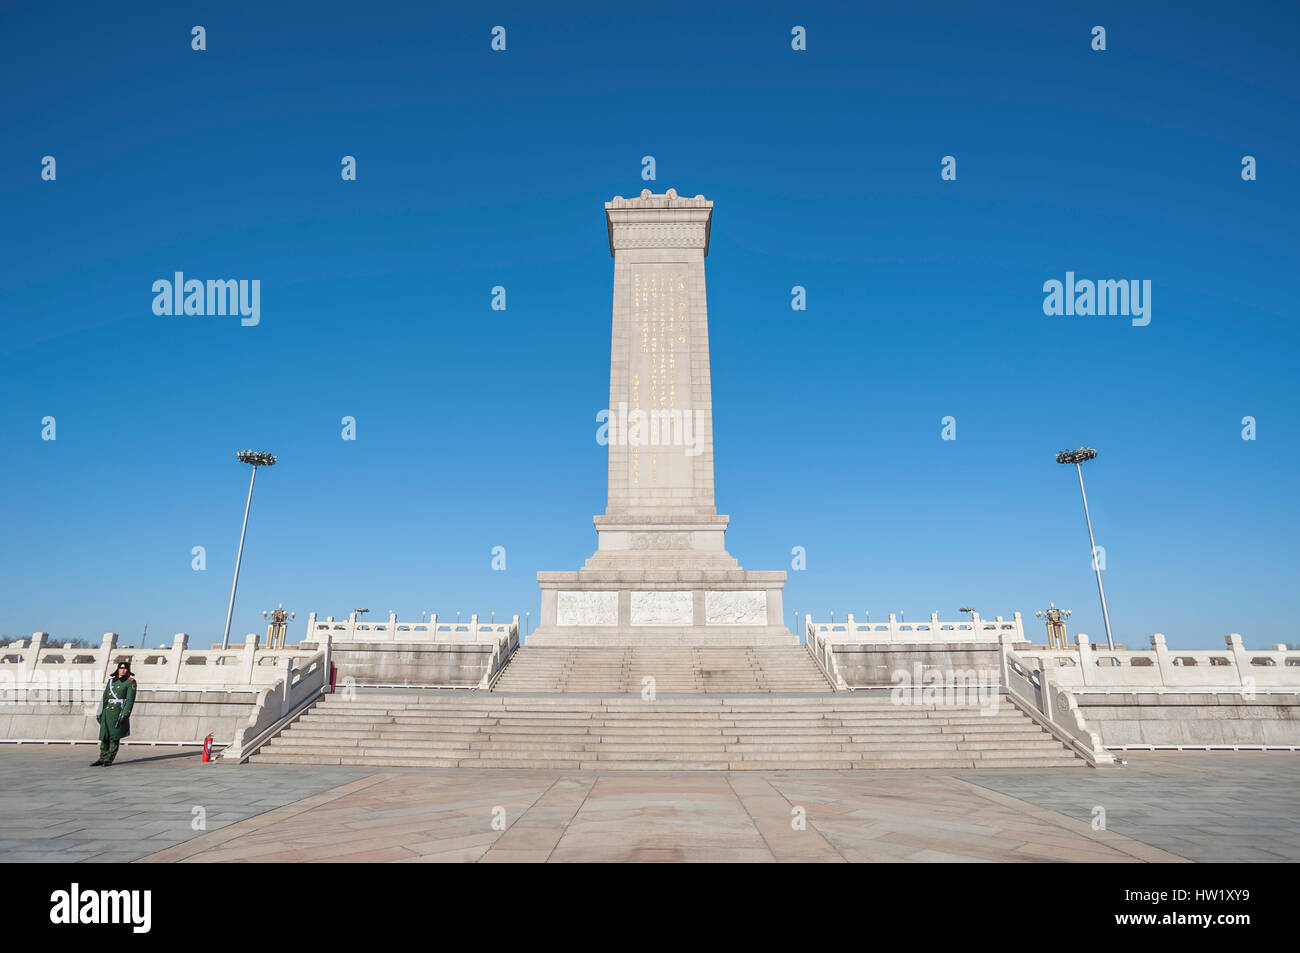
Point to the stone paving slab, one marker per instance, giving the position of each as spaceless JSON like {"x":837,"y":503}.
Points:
{"x":1222,"y":806}
{"x":1161,"y":808}
{"x":54,"y":807}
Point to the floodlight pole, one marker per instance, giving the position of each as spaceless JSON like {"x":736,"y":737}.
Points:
{"x":230,"y":609}
{"x":1101,"y":590}
{"x":255,"y":459}
{"x":1077,"y":457}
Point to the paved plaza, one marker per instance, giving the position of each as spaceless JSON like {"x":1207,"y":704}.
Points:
{"x":1162,"y":807}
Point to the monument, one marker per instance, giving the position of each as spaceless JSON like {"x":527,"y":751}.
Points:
{"x":661,"y":574}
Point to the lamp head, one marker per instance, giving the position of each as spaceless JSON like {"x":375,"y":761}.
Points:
{"x":1076,"y":456}
{"x":257,"y":458}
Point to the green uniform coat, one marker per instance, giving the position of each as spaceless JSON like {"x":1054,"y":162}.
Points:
{"x":115,"y":715}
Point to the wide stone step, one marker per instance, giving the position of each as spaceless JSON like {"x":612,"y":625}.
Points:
{"x":1056,"y":761}
{"x":794,"y":733}
{"x":317,"y":736}
{"x":672,"y":764}
{"x":650,"y":711}
{"x":685,"y":743}
{"x":479,"y":700}
{"x":918,"y":726}
{"x":654,"y":710}
{"x":682,"y":758}
{"x":293,"y":757}
{"x":593,"y":749}
{"x":1011,"y":752}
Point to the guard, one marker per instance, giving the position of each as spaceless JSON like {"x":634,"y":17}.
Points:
{"x":114,"y":715}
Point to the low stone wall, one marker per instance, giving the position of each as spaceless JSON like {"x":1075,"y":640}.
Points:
{"x":873,"y":665}
{"x":393,"y":629}
{"x":933,"y":629}
{"x":412,"y":663}
{"x":1192,"y":718}
{"x":1088,"y":667}
{"x":159,"y":716}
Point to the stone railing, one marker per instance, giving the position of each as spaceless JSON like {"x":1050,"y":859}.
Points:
{"x":33,"y":665}
{"x":932,"y":629}
{"x":280,"y":704}
{"x":1089,"y":668}
{"x":353,"y":629}
{"x":1052,"y":706}
{"x":823,"y":652}
{"x":505,"y":647}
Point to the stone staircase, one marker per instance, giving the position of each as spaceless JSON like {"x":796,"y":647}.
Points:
{"x":732,"y":670}
{"x":772,"y":732}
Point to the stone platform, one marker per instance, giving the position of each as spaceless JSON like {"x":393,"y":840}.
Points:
{"x":684,"y":607}
{"x":747,"y":669}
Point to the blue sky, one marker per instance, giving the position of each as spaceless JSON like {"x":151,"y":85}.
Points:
{"x":475,"y":428}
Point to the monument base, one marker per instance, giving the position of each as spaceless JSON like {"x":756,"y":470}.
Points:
{"x":643,"y":607}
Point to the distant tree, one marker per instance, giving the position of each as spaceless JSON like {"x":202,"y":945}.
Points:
{"x":52,"y":643}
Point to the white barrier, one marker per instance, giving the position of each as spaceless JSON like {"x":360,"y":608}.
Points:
{"x":932,"y":629}
{"x":33,"y":665}
{"x":823,"y":653}
{"x":1086,"y":667}
{"x":353,"y":629}
{"x":1052,"y":706}
{"x":279,"y":704}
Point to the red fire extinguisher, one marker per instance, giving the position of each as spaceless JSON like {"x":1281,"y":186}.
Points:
{"x":207,"y":748}
{"x":334,"y":676}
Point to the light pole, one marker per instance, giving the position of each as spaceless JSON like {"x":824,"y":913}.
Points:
{"x":1055,"y":625}
{"x":1077,"y":457}
{"x":277,"y":629}
{"x":255,"y":459}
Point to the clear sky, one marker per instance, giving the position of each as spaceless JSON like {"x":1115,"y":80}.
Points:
{"x":476,"y":428}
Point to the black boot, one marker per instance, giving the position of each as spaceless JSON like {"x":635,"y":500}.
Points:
{"x":96,"y":764}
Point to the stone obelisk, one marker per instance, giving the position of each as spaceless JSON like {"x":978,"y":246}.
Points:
{"x":661,"y":573}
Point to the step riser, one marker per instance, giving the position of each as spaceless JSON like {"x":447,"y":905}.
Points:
{"x":599,"y":766}
{"x":310,"y":736}
{"x":675,"y":753}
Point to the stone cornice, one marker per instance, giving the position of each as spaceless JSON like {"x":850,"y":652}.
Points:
{"x":659,"y":221}
{"x":657,"y":523}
